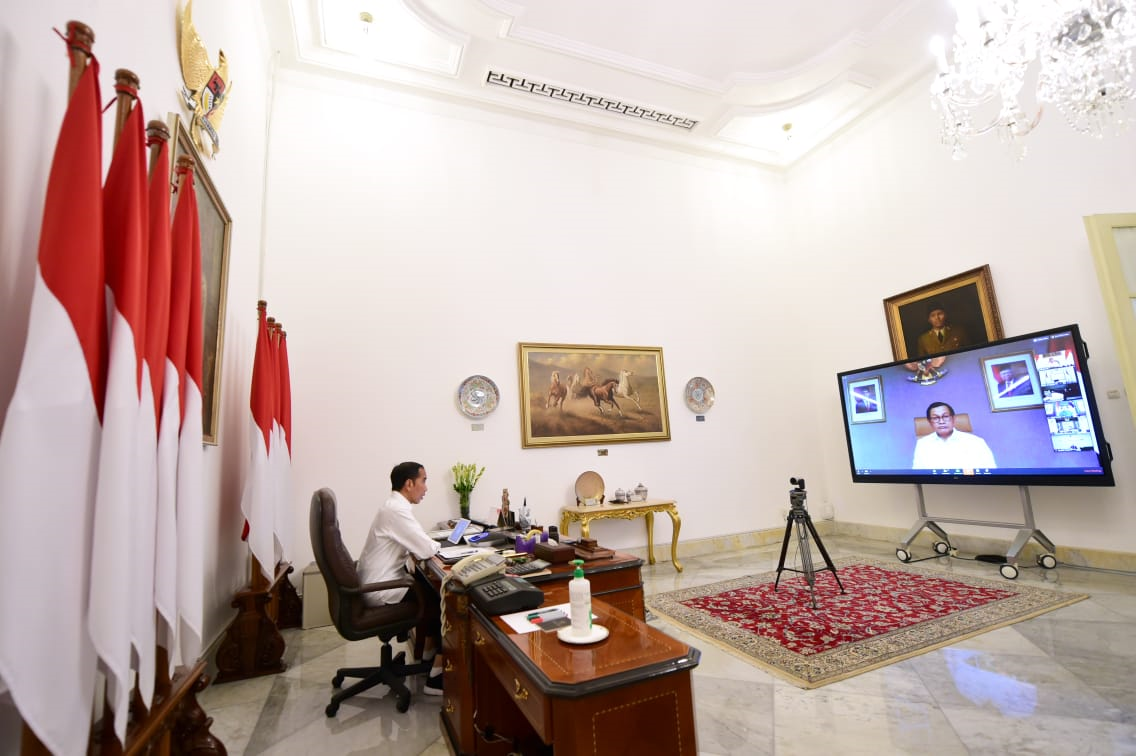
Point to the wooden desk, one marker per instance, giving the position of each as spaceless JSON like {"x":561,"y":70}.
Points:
{"x":634,"y":510}
{"x":636,"y":667}
{"x":628,"y":694}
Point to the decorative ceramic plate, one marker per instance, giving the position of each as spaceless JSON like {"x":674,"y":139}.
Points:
{"x":589,"y":486}
{"x":477,"y":396}
{"x":699,"y":395}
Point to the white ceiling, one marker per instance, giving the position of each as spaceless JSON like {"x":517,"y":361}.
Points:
{"x":717,"y":76}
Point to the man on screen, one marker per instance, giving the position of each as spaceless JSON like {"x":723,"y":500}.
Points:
{"x":948,"y":448}
{"x":1011,"y":385}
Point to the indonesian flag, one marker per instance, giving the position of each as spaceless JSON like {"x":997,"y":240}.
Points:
{"x":284,"y":457}
{"x":278,"y":449}
{"x":49,"y":446}
{"x":165,"y":382}
{"x":257,"y":498}
{"x":115,"y":552}
{"x":186,"y":344}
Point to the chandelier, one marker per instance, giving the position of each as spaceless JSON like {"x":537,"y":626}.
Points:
{"x":1079,"y":53}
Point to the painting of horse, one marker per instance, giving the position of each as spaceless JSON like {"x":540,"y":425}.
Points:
{"x":623,"y":391}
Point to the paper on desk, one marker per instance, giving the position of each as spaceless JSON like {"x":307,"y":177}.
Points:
{"x":519,"y":623}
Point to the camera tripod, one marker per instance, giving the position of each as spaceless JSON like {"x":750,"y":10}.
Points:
{"x":799,"y":516}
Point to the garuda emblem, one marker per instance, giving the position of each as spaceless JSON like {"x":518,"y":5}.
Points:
{"x":207,"y":87}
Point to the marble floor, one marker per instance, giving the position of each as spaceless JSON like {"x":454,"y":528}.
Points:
{"x":1062,"y":683}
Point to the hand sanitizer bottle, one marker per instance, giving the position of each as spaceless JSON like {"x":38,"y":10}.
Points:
{"x":580,"y":594}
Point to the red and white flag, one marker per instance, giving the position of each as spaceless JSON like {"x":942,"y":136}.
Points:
{"x":257,"y":500}
{"x":284,"y":458}
{"x":115,"y":552}
{"x":49,"y":446}
{"x":186,"y":343}
{"x":165,"y":382}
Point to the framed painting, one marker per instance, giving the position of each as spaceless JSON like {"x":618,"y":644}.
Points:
{"x":573,"y":394}
{"x":216,"y":228}
{"x":866,"y":398}
{"x":1011,"y":381}
{"x":945,"y":315}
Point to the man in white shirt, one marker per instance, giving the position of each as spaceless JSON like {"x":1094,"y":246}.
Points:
{"x":394,"y":537}
{"x":948,"y":448}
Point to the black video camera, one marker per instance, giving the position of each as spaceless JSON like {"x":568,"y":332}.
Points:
{"x":797,"y":495}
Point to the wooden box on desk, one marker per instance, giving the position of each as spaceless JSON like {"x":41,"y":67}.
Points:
{"x":557,"y":553}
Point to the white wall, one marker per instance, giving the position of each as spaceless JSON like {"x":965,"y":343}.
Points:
{"x":412,"y":244}
{"x":33,"y":83}
{"x":887,"y":210}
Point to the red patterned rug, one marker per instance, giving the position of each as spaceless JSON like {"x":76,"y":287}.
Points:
{"x":887,"y":612}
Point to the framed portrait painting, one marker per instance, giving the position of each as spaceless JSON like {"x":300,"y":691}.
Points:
{"x":866,"y":400}
{"x":216,"y":227}
{"x":575,"y":394}
{"x":949,"y":314}
{"x":1011,"y":381}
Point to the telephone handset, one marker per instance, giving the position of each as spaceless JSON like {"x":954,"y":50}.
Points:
{"x":479,"y":567}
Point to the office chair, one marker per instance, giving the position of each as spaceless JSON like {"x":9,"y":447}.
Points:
{"x":354,"y":619}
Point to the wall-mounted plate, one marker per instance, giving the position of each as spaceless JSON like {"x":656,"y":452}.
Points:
{"x":477,"y":396}
{"x":699,"y":395}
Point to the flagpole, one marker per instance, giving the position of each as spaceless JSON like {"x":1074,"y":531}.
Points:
{"x":126,"y":85}
{"x":156,"y":133}
{"x":80,"y":39}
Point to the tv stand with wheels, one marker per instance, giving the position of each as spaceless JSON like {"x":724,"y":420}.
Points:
{"x":1026,"y":530}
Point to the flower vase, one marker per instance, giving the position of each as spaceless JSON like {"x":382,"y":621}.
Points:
{"x":463,"y":503}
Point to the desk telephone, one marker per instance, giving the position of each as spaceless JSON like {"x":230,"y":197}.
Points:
{"x":501,"y":595}
{"x":473,"y":569}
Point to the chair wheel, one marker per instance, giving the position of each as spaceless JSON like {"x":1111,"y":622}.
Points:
{"x":402,"y":702}
{"x":336,"y":682}
{"x":942,"y":547}
{"x":902,"y":555}
{"x":331,"y":709}
{"x":1047,"y":561}
{"x":1009,"y":571}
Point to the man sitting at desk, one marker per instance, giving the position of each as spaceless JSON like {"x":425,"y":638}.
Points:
{"x":394,"y":537}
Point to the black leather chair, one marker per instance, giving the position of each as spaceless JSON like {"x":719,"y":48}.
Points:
{"x":354,"y":619}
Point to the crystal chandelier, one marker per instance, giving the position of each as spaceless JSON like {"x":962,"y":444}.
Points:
{"x":1079,"y":53}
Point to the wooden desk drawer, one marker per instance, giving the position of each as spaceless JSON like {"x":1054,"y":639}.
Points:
{"x":519,"y":686}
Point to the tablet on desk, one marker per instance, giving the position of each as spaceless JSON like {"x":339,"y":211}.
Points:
{"x":455,"y":536}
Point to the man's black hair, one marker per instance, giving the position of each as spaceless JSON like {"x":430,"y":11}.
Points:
{"x":933,"y":405}
{"x":403,"y":472}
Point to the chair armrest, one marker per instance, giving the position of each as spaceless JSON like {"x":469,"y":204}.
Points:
{"x":402,"y":582}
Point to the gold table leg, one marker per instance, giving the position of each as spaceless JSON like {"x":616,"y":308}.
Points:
{"x":676,"y":522}
{"x":649,"y":518}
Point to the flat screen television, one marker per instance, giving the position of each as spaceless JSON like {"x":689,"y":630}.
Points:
{"x":1018,"y":411}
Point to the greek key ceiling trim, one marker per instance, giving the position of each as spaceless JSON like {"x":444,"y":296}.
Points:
{"x":521,"y":84}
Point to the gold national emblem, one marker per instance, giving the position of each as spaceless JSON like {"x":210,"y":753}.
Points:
{"x":207,"y":87}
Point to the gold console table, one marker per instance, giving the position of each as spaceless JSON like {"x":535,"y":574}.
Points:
{"x":631,"y":511}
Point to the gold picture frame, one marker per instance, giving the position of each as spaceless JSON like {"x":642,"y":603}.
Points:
{"x":971,"y":310}
{"x":216,"y":230}
{"x":574,"y":394}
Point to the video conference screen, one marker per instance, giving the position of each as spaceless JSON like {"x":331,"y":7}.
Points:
{"x":1016,"y":411}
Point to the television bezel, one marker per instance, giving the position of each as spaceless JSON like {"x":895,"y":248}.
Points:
{"x":1008,"y":479}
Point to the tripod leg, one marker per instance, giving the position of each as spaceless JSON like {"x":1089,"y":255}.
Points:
{"x":784,"y":550}
{"x":823,"y":552}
